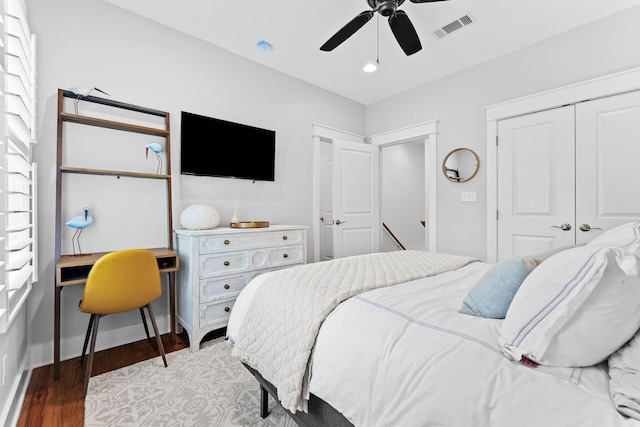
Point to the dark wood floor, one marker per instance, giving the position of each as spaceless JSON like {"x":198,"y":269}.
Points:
{"x":60,"y":403}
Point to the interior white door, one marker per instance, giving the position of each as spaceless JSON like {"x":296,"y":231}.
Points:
{"x":356,"y":193}
{"x":536,"y":175}
{"x":607,"y":172}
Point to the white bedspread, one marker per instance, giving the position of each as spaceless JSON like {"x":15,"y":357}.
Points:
{"x":404,"y":356}
{"x":277,"y":333}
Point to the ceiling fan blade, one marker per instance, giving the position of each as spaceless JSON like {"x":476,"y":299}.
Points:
{"x":404,"y":32}
{"x":347,"y":31}
{"x":425,"y":1}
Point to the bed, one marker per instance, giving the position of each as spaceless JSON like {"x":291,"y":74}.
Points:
{"x":412,"y":338}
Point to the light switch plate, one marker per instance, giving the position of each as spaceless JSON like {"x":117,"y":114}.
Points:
{"x":468,"y":196}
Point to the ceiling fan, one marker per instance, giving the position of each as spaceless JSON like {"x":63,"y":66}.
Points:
{"x":399,"y":22}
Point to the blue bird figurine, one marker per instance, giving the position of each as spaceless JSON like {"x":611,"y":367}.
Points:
{"x":156,"y":148}
{"x":79,"y":222}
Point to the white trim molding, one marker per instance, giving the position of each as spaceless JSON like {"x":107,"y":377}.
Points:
{"x":326,"y":132}
{"x":405,"y":134}
{"x":609,"y":85}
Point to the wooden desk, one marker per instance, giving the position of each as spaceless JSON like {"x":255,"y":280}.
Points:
{"x":74,"y":269}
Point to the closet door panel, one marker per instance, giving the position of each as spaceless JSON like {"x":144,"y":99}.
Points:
{"x":535,"y":182}
{"x":607,"y":164}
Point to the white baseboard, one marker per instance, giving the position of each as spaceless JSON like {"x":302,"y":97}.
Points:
{"x":42,"y":354}
{"x":11,"y":415}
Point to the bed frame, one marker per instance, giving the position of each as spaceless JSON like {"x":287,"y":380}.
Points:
{"x":320,"y":414}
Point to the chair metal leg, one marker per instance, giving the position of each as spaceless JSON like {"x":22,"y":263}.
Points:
{"x":94,"y":335}
{"x":144,"y":322}
{"x":155,"y":330}
{"x":86,"y":339}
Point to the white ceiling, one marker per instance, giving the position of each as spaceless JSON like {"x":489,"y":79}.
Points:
{"x":297,"y":28}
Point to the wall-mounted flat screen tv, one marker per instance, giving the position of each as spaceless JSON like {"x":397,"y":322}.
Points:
{"x":219,"y":148}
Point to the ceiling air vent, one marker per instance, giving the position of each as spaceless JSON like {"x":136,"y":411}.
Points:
{"x":453,"y":26}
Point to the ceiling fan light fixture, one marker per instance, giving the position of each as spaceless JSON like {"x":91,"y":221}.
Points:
{"x":373,"y":66}
{"x":401,"y":26}
{"x":370,"y":67}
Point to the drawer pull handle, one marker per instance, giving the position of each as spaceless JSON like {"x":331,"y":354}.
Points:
{"x":226,"y":286}
{"x":284,"y":237}
{"x":227,"y":309}
{"x":226,"y":263}
{"x":226,"y":242}
{"x":285,"y":255}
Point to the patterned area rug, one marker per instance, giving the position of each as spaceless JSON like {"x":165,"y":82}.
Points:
{"x":205,"y":388}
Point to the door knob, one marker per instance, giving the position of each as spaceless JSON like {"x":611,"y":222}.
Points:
{"x":563,"y":227}
{"x":338,"y":222}
{"x":587,"y":227}
{"x":322,"y":218}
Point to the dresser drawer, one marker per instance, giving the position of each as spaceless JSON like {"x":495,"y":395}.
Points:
{"x":222,"y":264}
{"x":255,"y":259}
{"x":286,"y":256}
{"x":224,"y":287}
{"x":247,"y":240}
{"x":215,"y":313}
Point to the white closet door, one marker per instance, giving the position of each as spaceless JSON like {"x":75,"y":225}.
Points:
{"x":536,"y":190}
{"x":607,"y":159}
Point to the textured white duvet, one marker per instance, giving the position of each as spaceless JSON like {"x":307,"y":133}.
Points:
{"x":403,"y":356}
{"x":278,"y":331}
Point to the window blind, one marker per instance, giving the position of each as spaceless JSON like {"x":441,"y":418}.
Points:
{"x":18,"y":269}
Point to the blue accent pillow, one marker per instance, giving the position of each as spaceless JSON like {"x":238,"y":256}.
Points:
{"x":492,"y":295}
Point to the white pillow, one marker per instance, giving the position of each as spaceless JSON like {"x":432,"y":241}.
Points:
{"x":575,"y":308}
{"x":625,"y":235}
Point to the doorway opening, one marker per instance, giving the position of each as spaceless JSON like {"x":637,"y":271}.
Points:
{"x":418,"y":138}
{"x":402,"y":196}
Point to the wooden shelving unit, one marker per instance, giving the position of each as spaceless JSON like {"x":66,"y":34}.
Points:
{"x":66,"y":117}
{"x":71,"y":269}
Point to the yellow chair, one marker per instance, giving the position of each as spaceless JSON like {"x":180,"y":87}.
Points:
{"x":120,"y":281}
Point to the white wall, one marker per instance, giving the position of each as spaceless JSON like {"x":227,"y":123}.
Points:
{"x":93,"y":43}
{"x":458,"y":102}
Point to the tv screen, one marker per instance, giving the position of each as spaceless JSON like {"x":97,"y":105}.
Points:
{"x":214,"y":147}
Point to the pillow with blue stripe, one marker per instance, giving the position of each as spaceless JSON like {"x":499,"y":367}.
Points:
{"x":575,"y":309}
{"x":491,"y":296}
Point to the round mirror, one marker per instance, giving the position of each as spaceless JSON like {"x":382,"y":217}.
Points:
{"x":460,"y":165}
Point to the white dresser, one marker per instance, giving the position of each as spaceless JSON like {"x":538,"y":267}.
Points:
{"x":215,"y":265}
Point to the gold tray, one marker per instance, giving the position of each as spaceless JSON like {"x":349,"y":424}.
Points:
{"x":249,"y":224}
